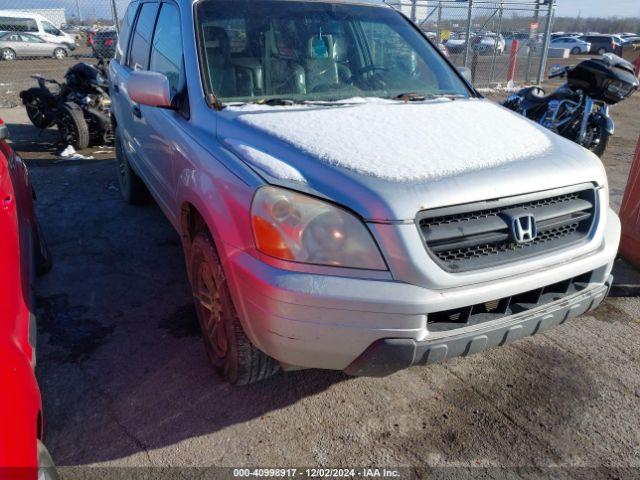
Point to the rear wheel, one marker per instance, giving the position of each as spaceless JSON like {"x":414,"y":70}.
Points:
{"x":59,"y":53}
{"x":37,"y":103}
{"x":227,"y":346}
{"x":8,"y":54}
{"x":73,"y":128}
{"x":132,"y":188}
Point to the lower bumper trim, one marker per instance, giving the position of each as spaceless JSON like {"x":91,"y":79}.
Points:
{"x":389,"y":355}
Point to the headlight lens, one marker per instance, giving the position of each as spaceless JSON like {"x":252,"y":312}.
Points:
{"x":292,"y":226}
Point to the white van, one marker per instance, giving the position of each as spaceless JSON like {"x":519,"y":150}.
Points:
{"x":36,"y":24}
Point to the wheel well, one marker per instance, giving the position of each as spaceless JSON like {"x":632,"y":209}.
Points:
{"x":191,"y":223}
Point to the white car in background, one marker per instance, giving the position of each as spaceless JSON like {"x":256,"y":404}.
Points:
{"x":35,"y":24}
{"x":576,"y":45}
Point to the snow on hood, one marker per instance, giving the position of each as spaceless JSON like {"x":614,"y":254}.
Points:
{"x":265,"y":162}
{"x":405,"y":141}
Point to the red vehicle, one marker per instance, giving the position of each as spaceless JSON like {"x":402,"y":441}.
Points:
{"x":23,"y":254}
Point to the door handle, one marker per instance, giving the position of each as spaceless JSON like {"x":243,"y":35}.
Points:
{"x":136,"y":111}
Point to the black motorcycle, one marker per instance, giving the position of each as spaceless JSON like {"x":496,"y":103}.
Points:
{"x":579,"y":110}
{"x":79,"y":107}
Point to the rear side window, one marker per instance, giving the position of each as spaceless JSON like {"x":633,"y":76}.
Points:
{"x":13,"y":24}
{"x":166,"y":51}
{"x":139,"y":53}
{"x":125,"y":27}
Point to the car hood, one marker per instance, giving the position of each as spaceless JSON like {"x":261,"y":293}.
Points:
{"x":387,"y":160}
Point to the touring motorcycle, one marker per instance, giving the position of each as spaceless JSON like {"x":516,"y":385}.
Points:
{"x":579,"y":109}
{"x":78,"y":107}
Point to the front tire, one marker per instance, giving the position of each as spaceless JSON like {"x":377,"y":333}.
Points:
{"x":73,"y":128}
{"x":602,"y":51}
{"x":132,"y":188}
{"x":575,"y":51}
{"x":228,"y":348}
{"x":597,"y":139}
{"x":8,"y":54}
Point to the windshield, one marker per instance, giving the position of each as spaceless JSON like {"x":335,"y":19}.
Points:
{"x":311,"y":51}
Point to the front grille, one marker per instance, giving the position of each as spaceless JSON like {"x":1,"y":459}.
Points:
{"x":503,"y":307}
{"x":470,"y":237}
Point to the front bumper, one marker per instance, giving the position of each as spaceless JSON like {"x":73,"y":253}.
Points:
{"x":324,"y":321}
{"x":389,"y":355}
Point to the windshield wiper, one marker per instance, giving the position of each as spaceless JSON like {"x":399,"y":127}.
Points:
{"x":419,"y":97}
{"x":410,"y":97}
{"x":275,"y":102}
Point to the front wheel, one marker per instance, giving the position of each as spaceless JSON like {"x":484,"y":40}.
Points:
{"x":227,"y":346}
{"x":596,"y":139}
{"x":73,"y":128}
{"x":602,"y":51}
{"x":575,"y":51}
{"x":8,"y":54}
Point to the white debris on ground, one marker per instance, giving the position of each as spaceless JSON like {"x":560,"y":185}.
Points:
{"x":406,"y":141}
{"x":269,"y":164}
{"x":70,"y":153}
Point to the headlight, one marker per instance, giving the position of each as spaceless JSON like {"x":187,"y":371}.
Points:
{"x":296,"y":227}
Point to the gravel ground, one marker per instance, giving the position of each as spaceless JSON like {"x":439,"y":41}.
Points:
{"x":126,"y":384}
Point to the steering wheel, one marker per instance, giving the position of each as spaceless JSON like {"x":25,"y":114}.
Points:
{"x":367,"y":69}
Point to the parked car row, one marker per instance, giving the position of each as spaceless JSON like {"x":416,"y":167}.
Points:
{"x":484,"y":43}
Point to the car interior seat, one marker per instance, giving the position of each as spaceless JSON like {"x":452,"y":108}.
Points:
{"x":321,"y":65}
{"x":226,"y":80}
{"x":284,"y":74}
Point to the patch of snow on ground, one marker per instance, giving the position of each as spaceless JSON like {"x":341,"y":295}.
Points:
{"x":406,"y":142}
{"x":270,"y":165}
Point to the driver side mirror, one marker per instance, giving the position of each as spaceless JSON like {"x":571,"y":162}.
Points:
{"x":466,"y":74}
{"x":149,"y":88}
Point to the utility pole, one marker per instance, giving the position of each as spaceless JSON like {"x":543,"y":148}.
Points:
{"x":78,"y":9}
{"x":114,"y":13}
{"x":547,"y":40}
{"x":467,"y":46}
{"x":532,"y":41}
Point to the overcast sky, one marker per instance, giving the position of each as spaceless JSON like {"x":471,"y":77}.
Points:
{"x":599,"y":8}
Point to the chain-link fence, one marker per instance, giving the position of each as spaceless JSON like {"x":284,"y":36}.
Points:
{"x":46,"y":37}
{"x":498,"y":40}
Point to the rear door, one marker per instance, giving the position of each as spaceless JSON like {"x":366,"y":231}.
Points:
{"x":128,"y":114}
{"x":161,"y":129}
{"x":37,"y":46}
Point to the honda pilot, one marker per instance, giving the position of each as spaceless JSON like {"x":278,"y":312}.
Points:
{"x":346,"y":200}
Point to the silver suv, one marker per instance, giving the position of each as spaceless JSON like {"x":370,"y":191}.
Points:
{"x":345,"y":199}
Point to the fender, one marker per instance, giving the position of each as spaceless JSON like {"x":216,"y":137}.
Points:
{"x":605,"y":121}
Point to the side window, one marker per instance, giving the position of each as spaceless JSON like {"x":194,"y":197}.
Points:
{"x":141,"y":36}
{"x":49,"y":28}
{"x":125,"y":28}
{"x":166,"y":50}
